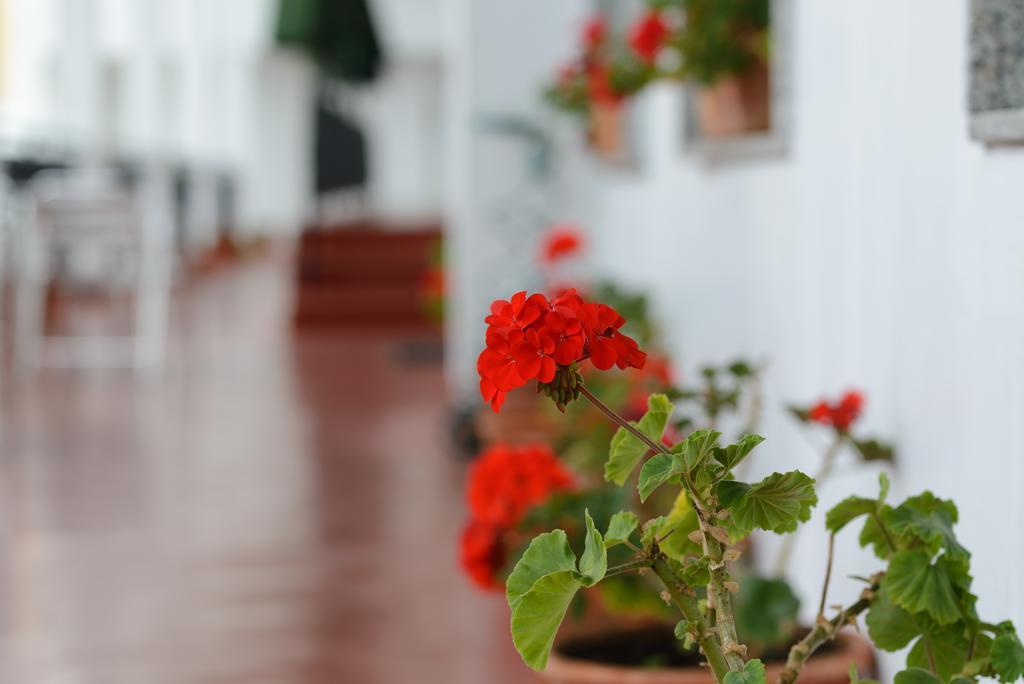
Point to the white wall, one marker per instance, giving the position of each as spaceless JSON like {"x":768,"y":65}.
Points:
{"x":884,"y":251}
{"x":498,"y":55}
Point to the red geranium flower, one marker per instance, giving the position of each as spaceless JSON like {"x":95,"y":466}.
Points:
{"x":560,"y":242}
{"x":505,"y":481}
{"x":533,"y":355}
{"x":517,"y":313}
{"x":530,"y":337}
{"x":648,"y":36}
{"x":840,"y":415}
{"x":601,"y":323}
{"x":568,"y":337}
{"x":847,"y":410}
{"x":820,"y":413}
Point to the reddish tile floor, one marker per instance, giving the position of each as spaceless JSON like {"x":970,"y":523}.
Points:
{"x":279,"y":507}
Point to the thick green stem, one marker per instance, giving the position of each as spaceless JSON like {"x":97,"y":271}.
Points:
{"x":720,"y":597}
{"x":730,"y":649}
{"x":823,"y":632}
{"x":686,"y":602}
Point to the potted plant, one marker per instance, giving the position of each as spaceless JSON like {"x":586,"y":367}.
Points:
{"x":920,"y":595}
{"x":597,"y":84}
{"x":724,"y":49}
{"x":527,"y":418}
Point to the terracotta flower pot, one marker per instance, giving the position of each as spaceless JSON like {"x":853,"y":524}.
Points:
{"x":523,"y":419}
{"x":828,"y":666}
{"x":607,"y":129}
{"x":737,"y":104}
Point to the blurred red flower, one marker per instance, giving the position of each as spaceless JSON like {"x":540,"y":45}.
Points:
{"x":648,"y":36}
{"x":560,"y":242}
{"x":505,"y":481}
{"x":481,"y":553}
{"x":841,"y":414}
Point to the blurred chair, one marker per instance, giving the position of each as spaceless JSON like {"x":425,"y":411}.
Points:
{"x":72,"y":212}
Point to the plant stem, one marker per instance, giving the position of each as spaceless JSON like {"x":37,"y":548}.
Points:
{"x":687,"y":605}
{"x":627,"y":567}
{"x":823,"y":632}
{"x":717,"y":594}
{"x":885,"y":532}
{"x":622,"y":422}
{"x":828,"y":462}
{"x":828,"y":576}
{"x":756,"y":406}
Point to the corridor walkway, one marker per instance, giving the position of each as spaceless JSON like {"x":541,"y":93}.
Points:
{"x":279,"y":507}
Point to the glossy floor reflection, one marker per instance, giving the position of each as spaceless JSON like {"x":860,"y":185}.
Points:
{"x":279,"y":507}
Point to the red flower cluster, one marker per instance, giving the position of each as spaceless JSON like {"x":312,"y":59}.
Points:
{"x":504,"y":482}
{"x":531,"y":338}
{"x":648,"y":36}
{"x":560,"y":242}
{"x":842,"y":414}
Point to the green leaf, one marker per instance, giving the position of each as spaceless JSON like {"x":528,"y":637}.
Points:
{"x":627,"y":450}
{"x":680,"y":521}
{"x":620,"y":528}
{"x":851,"y":508}
{"x":946,"y":646}
{"x":883,"y":484}
{"x":693,"y":572}
{"x":1008,"y":657}
{"x":890,"y":627}
{"x":874,"y":536}
{"x":801,"y":413}
{"x":848,"y":510}
{"x":594,"y":561}
{"x":753,"y":673}
{"x":548,"y":553}
{"x":929,"y":520}
{"x":733,"y":454}
{"x":741,"y":368}
{"x":538,"y":614}
{"x":917,"y":585}
{"x":697,"y":447}
{"x":916,"y":675}
{"x":777,"y":503}
{"x":656,"y":471}
{"x":730,"y":492}
{"x":766,"y":612}
{"x":651,"y":531}
{"x":682,"y":630}
{"x":873,"y":450}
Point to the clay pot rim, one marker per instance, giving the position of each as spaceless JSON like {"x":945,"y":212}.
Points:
{"x":850,"y":648}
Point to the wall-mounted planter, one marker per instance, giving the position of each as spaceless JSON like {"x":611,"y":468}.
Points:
{"x":736,"y":105}
{"x":608,"y":131}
